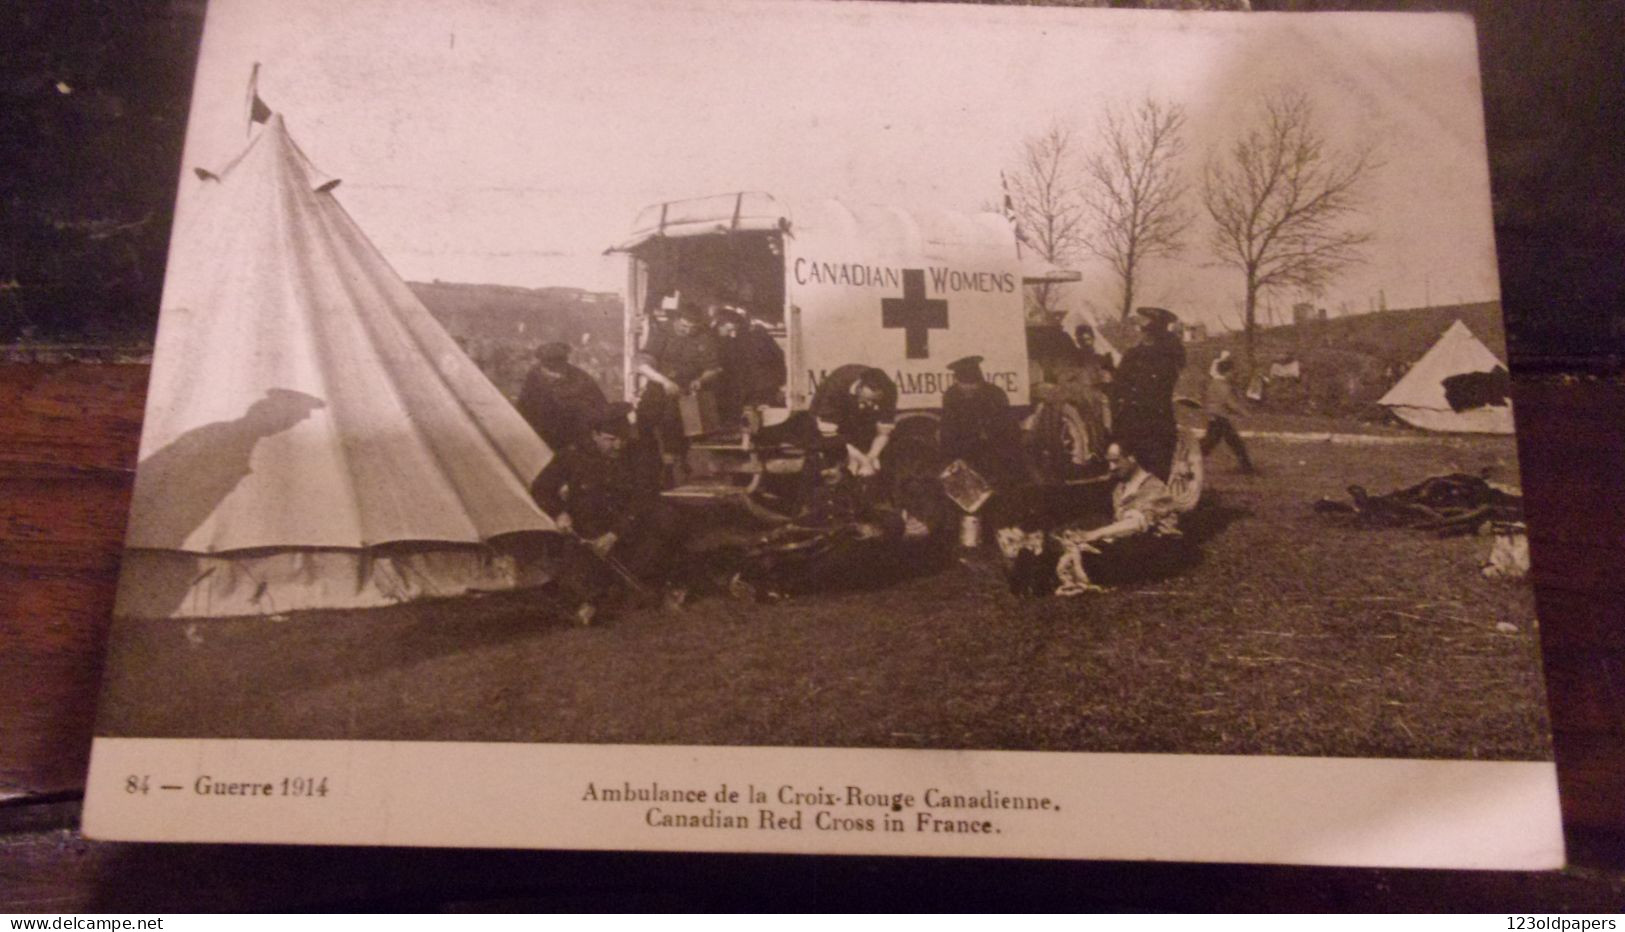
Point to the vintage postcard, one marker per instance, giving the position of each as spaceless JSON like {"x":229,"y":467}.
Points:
{"x":834,"y":428}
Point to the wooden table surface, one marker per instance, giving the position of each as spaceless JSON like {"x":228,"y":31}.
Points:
{"x":65,"y":472}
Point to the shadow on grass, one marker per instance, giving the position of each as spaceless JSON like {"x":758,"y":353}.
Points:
{"x":1210,"y":518}
{"x":177,"y":670}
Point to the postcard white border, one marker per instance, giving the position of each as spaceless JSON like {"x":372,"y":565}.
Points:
{"x":1285,"y":810}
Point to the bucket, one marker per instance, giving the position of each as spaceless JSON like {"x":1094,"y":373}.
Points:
{"x":970,"y":531}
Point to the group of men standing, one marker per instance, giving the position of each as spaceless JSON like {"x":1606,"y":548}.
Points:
{"x":716,"y":353}
{"x":1083,"y":403}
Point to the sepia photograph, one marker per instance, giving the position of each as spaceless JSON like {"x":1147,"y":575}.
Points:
{"x":831,"y":376}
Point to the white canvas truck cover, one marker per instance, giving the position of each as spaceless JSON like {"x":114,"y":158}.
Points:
{"x":906,"y":292}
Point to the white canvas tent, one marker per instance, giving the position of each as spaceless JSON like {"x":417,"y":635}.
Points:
{"x":313,"y":438}
{"x":1419,"y":397}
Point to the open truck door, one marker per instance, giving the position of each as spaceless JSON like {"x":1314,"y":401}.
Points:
{"x":727,"y":249}
{"x":906,"y":292}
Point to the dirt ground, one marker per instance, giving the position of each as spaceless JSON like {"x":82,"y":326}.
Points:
{"x":1292,"y":635}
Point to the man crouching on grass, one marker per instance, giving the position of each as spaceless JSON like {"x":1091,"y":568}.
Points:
{"x":1142,"y":541}
{"x":620,"y":534}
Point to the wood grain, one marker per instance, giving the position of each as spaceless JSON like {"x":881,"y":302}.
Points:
{"x":65,"y":471}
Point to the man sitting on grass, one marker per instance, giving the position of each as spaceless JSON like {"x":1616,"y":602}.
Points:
{"x":1142,"y":540}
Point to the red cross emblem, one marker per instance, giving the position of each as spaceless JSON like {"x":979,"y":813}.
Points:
{"x":914,"y":314}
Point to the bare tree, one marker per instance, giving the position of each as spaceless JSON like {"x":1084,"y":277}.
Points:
{"x":1281,"y":201}
{"x":1134,"y":192}
{"x":1043,"y":197}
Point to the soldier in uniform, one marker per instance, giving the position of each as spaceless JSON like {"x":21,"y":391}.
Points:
{"x":977,"y":426}
{"x":595,"y":493}
{"x":679,"y":360}
{"x":753,"y":366}
{"x":1143,"y":400}
{"x":560,"y":400}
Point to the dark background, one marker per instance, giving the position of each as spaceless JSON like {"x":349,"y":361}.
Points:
{"x":93,"y":103}
{"x":86,"y":185}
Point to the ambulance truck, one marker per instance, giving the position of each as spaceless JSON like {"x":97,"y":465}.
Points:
{"x":836,"y":283}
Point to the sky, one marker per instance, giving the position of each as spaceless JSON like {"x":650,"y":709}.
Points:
{"x":510,"y":142}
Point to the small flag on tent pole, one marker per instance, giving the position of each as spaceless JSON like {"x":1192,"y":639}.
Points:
{"x":1010,"y":211}
{"x":258,"y":112}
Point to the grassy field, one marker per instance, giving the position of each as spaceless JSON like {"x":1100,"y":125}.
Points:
{"x":1293,"y":635}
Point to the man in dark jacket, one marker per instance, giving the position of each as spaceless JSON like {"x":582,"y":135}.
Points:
{"x":861,"y":402}
{"x":559,"y":400}
{"x":1143,"y":397}
{"x":596,"y":493}
{"x":753,"y":366}
{"x":977,"y":426}
{"x":682,"y":359}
